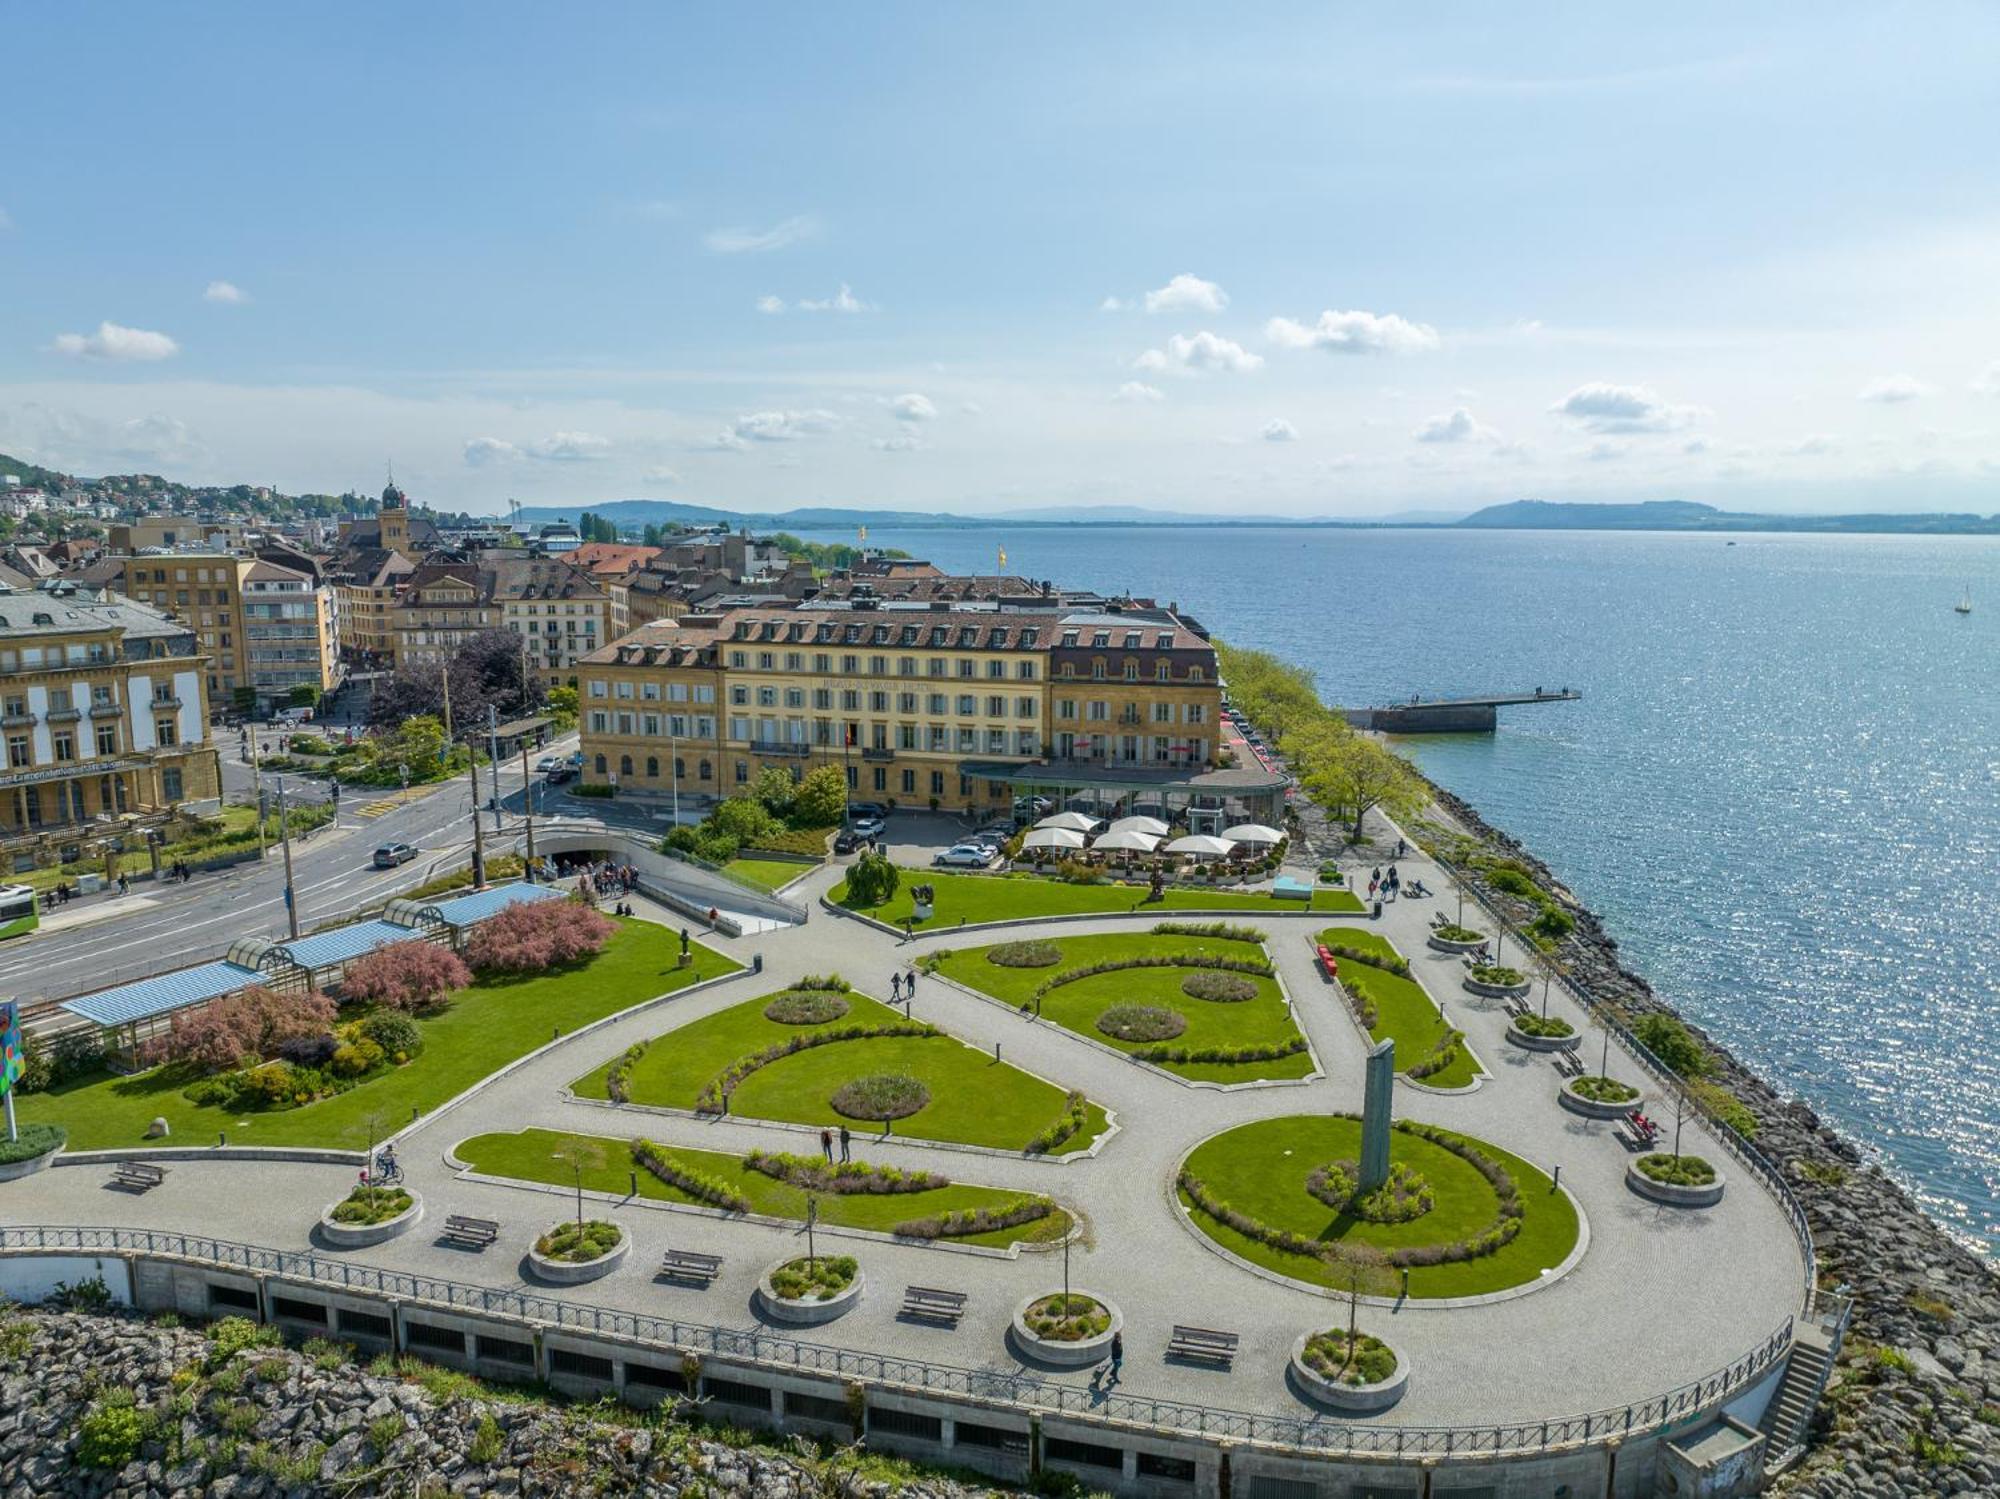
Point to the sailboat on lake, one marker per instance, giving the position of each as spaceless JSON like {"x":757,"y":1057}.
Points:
{"x":1964,"y":604}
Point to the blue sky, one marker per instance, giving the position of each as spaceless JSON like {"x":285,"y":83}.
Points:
{"x":1301,"y":261}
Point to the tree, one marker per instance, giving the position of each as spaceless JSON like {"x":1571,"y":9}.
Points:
{"x":580,"y":1155}
{"x":530,"y":937}
{"x":415,"y":976}
{"x":776,"y":789}
{"x":561,"y":704}
{"x":223,"y":1035}
{"x":485,"y":671}
{"x":1360,"y":1270}
{"x":821,"y":798}
{"x":1666,"y":1038}
{"x":1350,"y":774}
{"x":743,"y":818}
{"x":872,"y":880}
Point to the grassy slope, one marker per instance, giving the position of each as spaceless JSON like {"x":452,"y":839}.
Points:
{"x":1076,"y":1006}
{"x":529,"y":1156}
{"x":1402,"y":1007}
{"x":767,"y":874}
{"x":974,"y":1100}
{"x":486,"y":1027}
{"x":976,"y":898}
{"x":1261,"y":1169}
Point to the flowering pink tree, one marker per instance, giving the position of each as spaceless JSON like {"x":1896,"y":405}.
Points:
{"x":525,"y":938}
{"x":240,"y":1028}
{"x":416,"y":976}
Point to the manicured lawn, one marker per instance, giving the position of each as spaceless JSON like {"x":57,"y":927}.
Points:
{"x":529,"y":1156}
{"x":1254,"y":1022}
{"x":973,"y":1099}
{"x":1261,"y":1169}
{"x":487,"y":1026}
{"x":1403,"y":1010}
{"x":983,"y":897}
{"x":769,"y":874}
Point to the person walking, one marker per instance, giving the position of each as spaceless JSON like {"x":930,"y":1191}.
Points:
{"x":1117,"y":1358}
{"x":895,"y":988}
{"x":846,"y":1144}
{"x":826,"y":1145}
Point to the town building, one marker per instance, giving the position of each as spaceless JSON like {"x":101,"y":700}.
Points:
{"x":265,"y":627}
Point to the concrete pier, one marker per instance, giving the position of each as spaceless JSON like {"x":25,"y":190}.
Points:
{"x":1451,"y":715}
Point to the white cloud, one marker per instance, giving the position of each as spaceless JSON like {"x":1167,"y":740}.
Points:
{"x":771,"y":304}
{"x":661,"y":474}
{"x":775,"y":426}
{"x":557,"y":447}
{"x":1354,"y":332}
{"x":1458,"y":425}
{"x":843,"y":300}
{"x":1694,"y":445}
{"x":913,"y":408}
{"x":1187,"y":292}
{"x":1201,"y":351}
{"x":1988,"y":383}
{"x":1809,"y":447}
{"x":226,"y":292}
{"x":1603,"y":407}
{"x":1604,"y":450}
{"x":902,"y":442}
{"x":1277,"y":429}
{"x":1138,"y":390}
{"x":1893,"y":390}
{"x":742,"y":241}
{"x":1112,"y":304}
{"x":481,"y":451}
{"x":114,"y":341}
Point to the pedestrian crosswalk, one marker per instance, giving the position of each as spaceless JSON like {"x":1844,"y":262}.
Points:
{"x":382,"y":808}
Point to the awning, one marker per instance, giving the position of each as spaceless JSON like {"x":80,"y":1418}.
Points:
{"x":162,"y":994}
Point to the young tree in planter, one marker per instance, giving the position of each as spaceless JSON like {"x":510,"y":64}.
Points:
{"x":580,"y":1155}
{"x":1359,"y":1270}
{"x":872,"y":880}
{"x":416,"y":976}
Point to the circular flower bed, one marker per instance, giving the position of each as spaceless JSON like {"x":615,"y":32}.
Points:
{"x":1536,"y":1033}
{"x":1073,"y":1332}
{"x":1222,"y":988}
{"x":885,"y":1095}
{"x":812,"y":1290}
{"x":1498,"y":975}
{"x":367,"y":1206}
{"x":1598,"y":1097}
{"x":37,"y":1145}
{"x":1359,"y":1374}
{"x":1679,"y":1170}
{"x":1685,"y":1181}
{"x":370,"y":1215}
{"x":1141,"y":1023}
{"x":1452,"y":933}
{"x":571,"y":1253}
{"x":1405,"y":1197}
{"x":806,"y":1007}
{"x":1025,"y":955}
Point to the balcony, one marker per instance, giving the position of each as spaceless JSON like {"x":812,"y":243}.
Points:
{"x":160,"y":704}
{"x":64,"y":715}
{"x":776,"y":747}
{"x":107,"y":710}
{"x":19,"y":721}
{"x":878,"y":754}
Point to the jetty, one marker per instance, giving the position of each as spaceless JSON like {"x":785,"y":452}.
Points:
{"x":1452,"y":715}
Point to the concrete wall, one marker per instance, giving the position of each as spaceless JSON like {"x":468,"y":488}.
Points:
{"x":697,"y":889}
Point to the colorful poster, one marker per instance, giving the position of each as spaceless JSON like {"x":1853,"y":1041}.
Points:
{"x":12,"y":1059}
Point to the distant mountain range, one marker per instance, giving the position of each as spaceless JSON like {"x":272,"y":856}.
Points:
{"x":1686,"y":515}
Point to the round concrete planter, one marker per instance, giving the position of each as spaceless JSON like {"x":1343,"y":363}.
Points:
{"x":563,"y":1273}
{"x":805,"y":1313}
{"x":1353,"y":1398}
{"x":361,"y":1235}
{"x":1077,"y":1355}
{"x":1496,"y":991}
{"x":1671,"y":1194}
{"x":15,"y":1170}
{"x":1445,"y":944}
{"x":1592,"y":1108}
{"x":1543,"y":1043}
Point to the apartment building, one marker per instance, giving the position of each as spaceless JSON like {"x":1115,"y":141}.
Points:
{"x":441,"y":607}
{"x":559,"y":610}
{"x":264,"y":627}
{"x":104,"y":708}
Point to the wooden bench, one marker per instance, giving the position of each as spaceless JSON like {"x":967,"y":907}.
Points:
{"x":1569,"y":1064}
{"x":138,"y":1176}
{"x":929,"y":1304}
{"x":472,"y":1233}
{"x":1203,"y":1343}
{"x":685,"y":1264}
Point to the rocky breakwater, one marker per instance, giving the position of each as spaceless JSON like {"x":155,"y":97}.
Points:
{"x":102,"y":1405}
{"x":1914,"y":1404}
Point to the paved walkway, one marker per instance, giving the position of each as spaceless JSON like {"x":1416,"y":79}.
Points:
{"x":1660,"y":1297}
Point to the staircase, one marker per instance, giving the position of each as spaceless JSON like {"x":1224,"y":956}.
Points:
{"x":1789,"y":1415}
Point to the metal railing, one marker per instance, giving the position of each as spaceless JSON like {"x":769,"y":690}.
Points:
{"x":1018,"y":1388}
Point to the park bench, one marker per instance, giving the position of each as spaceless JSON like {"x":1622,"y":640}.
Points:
{"x":932,"y":1305}
{"x":138,"y":1176}
{"x":472,"y":1233}
{"x":685,"y":1264}
{"x":1203,"y":1343}
{"x":1638,"y":1132}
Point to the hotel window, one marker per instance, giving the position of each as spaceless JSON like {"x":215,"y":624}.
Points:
{"x":850,"y":700}
{"x":107,"y":739}
{"x":1100,"y":711}
{"x":881,"y":779}
{"x":767,"y":697}
{"x":1163,"y":672}
{"x":597,"y":688}
{"x":909,"y":783}
{"x":1025,"y":670}
{"x":650,"y":691}
{"x":906,"y":737}
{"x":1197,"y":713}
{"x":1024,"y":707}
{"x":1131,"y":671}
{"x":597,"y":722}
{"x":624,"y":690}
{"x":794,"y":661}
{"x":652,"y":722}
{"x":823,"y":698}
{"x":906,"y":666}
{"x":1066,"y":709}
{"x":822,"y":663}
{"x":967,"y":704}
{"x":938,"y":703}
{"x":165,"y":730}
{"x":1067,"y":669}
{"x":1163,"y":713}
{"x":850,"y":665}
{"x":738,"y":659}
{"x":968,"y":668}
{"x":878,"y":666}
{"x":940,"y":667}
{"x":996,"y":669}
{"x":795,"y":697}
{"x":1194,"y":674}
{"x":17,"y":751}
{"x":677,"y":692}
{"x":740,"y":696}
{"x":996,"y":707}
{"x":1097,"y":669}
{"x":766,"y":661}
{"x":65,"y":745}
{"x":878,"y":702}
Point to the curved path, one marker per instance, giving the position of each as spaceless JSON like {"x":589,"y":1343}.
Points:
{"x":1660,"y":1297}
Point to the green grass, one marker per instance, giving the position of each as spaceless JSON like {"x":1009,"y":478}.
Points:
{"x":1403,"y":1010}
{"x":1261,"y":1169}
{"x":1076,"y":1006}
{"x":487,"y":1026}
{"x":974,"y":1100}
{"x":529,"y":1156}
{"x":767,"y":874}
{"x":972,"y":898}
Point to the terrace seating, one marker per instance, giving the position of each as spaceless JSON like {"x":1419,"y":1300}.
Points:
{"x":929,"y":1304}
{"x":137,"y":1176}
{"x":1568,"y":1063}
{"x":1637,"y":1132}
{"x":1205,"y":1344}
{"x":1329,"y":965}
{"x":685,"y":1264}
{"x":471,"y":1233}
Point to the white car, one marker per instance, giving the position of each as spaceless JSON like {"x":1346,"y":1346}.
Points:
{"x":547,"y":763}
{"x":965,"y":856}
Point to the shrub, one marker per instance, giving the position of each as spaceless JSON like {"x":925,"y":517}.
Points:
{"x":532,"y":937}
{"x":1075,"y":1115}
{"x":1224,"y":931}
{"x":886,"y":1095}
{"x":1548,"y":1028}
{"x":231,"y":1335}
{"x":1071,"y":1319}
{"x":1387,"y":962}
{"x":1220,"y":988}
{"x":618,"y":1076}
{"x":1077,"y":872}
{"x":1405,"y":1197}
{"x":1497,"y":974}
{"x":846,"y":1178}
{"x":872,"y":881}
{"x":697,"y":1184}
{"x":400,"y":1037}
{"x":113,"y":1430}
{"x":1258,"y":966}
{"x":578,"y":1244}
{"x":965,"y":1222}
{"x":1725,"y":1106}
{"x":805,"y":1007}
{"x":1511,"y":880}
{"x":1444,"y":1051}
{"x":1452,"y":933}
{"x":815,"y":1279}
{"x":34,"y":1140}
{"x":1025,"y":955}
{"x":1143,"y":1022}
{"x":370,"y":1205}
{"x":415,"y":976}
{"x":1552,"y":925}
{"x":1360,"y":1361}
{"x":1604,"y":1090}
{"x":1677,"y":1170}
{"x":1266,"y":1051}
{"x":715,"y":1094}
{"x":1666,"y":1038}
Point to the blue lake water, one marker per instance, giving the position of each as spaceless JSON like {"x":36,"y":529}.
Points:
{"x":1781,"y":789}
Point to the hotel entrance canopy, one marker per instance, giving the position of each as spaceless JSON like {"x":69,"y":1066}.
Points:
{"x":1259,"y":792}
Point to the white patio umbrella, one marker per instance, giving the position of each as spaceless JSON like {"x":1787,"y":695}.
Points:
{"x":1074,"y":822}
{"x":1253,"y":832}
{"x":1151,"y":826}
{"x":1204,"y":845}
{"x":1127,"y":840}
{"x":1053,"y":838}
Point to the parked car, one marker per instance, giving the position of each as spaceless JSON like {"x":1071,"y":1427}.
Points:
{"x":1027,"y":808}
{"x":548,"y":763}
{"x":867,"y":827}
{"x":561,"y":771}
{"x":846,"y":841}
{"x":389,"y":855}
{"x":965,"y":856}
{"x":858,"y":810}
{"x":991,"y":837}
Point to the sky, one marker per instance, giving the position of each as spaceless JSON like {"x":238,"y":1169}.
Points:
{"x":1282,"y":260}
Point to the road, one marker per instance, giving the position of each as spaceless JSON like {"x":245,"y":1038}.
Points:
{"x":111,"y":939}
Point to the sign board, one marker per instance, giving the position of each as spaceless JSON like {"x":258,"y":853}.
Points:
{"x":13,"y":1059}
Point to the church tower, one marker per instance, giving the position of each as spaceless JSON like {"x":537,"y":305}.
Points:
{"x":395,"y":519}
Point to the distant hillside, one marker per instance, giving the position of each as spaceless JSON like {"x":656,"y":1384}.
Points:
{"x":634,"y":515}
{"x":1686,"y":515}
{"x":32,"y":474}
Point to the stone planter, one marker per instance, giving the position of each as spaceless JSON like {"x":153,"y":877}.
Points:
{"x":1496,"y":991}
{"x":1445,"y":944}
{"x":1670,"y":1193}
{"x":361,"y":1235}
{"x":563,"y":1273}
{"x":805,"y":1313}
{"x":1080,"y":1354}
{"x":1544,"y":1043}
{"x":14,"y":1170}
{"x":1353,"y":1398}
{"x":1591,"y":1108}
